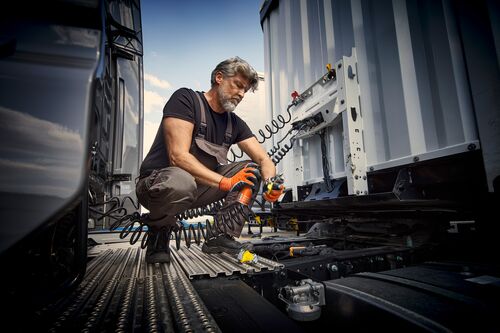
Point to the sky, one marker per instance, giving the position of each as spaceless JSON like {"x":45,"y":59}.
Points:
{"x":183,"y":41}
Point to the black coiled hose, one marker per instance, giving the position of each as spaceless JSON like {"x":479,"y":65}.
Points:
{"x":268,"y":131}
{"x":116,"y":211}
{"x":280,"y":154}
{"x":225,"y":221}
{"x":209,"y":209}
{"x":275,"y":126}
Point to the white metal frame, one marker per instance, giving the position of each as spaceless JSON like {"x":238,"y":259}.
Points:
{"x":334,"y":98}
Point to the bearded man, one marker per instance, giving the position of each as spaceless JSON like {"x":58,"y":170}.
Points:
{"x":186,"y":166}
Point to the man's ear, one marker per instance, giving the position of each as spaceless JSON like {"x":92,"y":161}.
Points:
{"x":219,"y":77}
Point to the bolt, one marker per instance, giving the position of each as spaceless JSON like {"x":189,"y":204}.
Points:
{"x":357,"y":191}
{"x":356,"y":177}
{"x":334,"y":268}
{"x":364,"y":177}
{"x":372,"y":168}
{"x":416,"y":159}
{"x":471,"y":146}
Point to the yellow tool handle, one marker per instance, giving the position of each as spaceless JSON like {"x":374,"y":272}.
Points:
{"x":293,"y":248}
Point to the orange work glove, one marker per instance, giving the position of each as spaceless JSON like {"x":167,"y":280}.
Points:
{"x":273,"y":189}
{"x":248,"y":176}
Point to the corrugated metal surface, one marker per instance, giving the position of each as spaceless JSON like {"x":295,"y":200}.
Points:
{"x":413,"y":84}
{"x":199,"y":264}
{"x":121,"y":293}
{"x":196,"y":263}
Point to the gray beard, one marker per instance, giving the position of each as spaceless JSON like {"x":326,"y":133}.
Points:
{"x":227,"y":104}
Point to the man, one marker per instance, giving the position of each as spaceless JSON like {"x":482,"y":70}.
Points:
{"x":186,"y":165}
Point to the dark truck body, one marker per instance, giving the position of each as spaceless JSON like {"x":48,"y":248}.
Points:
{"x":416,"y":252}
{"x":72,"y":118}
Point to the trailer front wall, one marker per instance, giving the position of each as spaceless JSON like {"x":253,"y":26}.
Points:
{"x":415,"y":97}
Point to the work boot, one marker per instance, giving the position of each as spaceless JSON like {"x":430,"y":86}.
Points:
{"x":225,"y":243}
{"x":158,"y":245}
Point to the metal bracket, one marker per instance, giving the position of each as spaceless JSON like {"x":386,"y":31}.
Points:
{"x":303,"y":300}
{"x":354,"y":150}
{"x":326,"y":103}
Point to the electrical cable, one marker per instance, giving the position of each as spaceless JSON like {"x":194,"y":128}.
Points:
{"x":268,"y":132}
{"x":324,"y":161}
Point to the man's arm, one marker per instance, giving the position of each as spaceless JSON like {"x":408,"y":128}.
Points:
{"x":178,"y":135}
{"x":255,"y":151}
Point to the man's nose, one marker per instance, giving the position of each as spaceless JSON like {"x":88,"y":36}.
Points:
{"x":241,"y":92}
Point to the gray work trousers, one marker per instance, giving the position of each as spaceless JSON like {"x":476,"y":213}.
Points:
{"x":170,"y":191}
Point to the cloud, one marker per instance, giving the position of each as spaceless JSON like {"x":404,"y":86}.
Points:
{"x":153,"y":101}
{"x":150,"y":129}
{"x":156,"y":82}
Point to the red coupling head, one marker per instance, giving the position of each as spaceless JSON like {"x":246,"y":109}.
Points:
{"x":295,"y":98}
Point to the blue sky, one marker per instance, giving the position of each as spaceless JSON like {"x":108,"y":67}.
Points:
{"x":185,"y":40}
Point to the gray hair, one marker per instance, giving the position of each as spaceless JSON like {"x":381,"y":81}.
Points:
{"x":234,"y":66}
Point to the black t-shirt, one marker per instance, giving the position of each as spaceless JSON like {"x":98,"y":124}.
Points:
{"x":181,"y":105}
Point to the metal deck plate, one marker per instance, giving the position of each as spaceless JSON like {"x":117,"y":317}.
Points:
{"x":199,"y":264}
{"x":121,"y":292}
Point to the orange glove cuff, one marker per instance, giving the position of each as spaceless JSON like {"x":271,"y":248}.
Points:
{"x":225,"y":184}
{"x":245,"y":196}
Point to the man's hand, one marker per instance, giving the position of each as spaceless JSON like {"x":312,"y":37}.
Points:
{"x":248,"y":176}
{"x":273,"y":189}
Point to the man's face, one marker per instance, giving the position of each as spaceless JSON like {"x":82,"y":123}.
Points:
{"x":231,"y":91}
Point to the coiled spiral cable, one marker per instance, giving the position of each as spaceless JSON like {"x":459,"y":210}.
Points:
{"x":278,"y":152}
{"x":225,"y":221}
{"x":268,"y":132}
{"x":116,"y":210}
{"x":209,"y":209}
{"x":275,"y":126}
